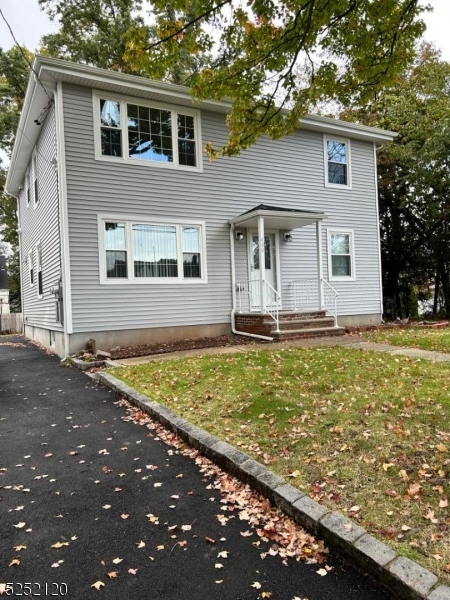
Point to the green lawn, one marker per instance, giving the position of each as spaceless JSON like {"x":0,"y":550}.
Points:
{"x":413,"y":337}
{"x":362,"y":432}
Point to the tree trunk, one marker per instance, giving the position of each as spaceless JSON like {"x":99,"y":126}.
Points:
{"x":437,"y":283}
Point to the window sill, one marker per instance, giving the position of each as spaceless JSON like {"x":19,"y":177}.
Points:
{"x":338,"y":186}
{"x":147,"y":163}
{"x":153,"y":281}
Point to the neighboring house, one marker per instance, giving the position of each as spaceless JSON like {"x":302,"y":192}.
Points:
{"x":4,"y":287}
{"x":130,"y":235}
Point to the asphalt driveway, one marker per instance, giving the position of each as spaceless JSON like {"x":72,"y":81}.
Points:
{"x":77,"y":486}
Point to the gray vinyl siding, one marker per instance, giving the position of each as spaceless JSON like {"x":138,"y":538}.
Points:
{"x":285,"y":173}
{"x":41,"y":224}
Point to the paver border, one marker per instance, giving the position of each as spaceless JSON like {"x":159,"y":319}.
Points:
{"x":407,"y":579}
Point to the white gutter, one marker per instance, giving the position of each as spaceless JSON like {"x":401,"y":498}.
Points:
{"x":233,"y":288}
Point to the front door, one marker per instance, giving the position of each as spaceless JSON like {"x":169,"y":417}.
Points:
{"x":271,"y":274}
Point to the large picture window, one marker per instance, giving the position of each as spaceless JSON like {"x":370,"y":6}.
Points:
{"x":341,"y":259}
{"x":146,"y":132}
{"x":337,"y":162}
{"x":139,"y":251}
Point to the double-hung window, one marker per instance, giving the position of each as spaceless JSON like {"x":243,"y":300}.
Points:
{"x":341,"y":255}
{"x":145,"y":132}
{"x":141,"y":251}
{"x":337,"y":162}
{"x":27,"y":187}
{"x":30,"y":267}
{"x":39,"y":269}
{"x":35,"y":178}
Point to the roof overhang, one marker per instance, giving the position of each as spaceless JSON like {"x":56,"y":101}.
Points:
{"x":54,"y":70}
{"x":285,"y":220}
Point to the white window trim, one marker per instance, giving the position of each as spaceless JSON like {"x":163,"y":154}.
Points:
{"x":34,"y":162}
{"x":346,"y":141}
{"x":131,"y":279}
{"x":38,"y":267}
{"x":349,"y":232}
{"x":98,"y":95}
{"x":31,"y":268}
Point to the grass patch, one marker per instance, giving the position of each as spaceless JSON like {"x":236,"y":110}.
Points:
{"x":437,"y":340}
{"x":362,"y":432}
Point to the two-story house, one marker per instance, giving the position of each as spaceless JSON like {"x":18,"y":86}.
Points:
{"x":129,"y":234}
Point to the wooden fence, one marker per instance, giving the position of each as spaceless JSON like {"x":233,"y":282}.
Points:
{"x":11,"y":323}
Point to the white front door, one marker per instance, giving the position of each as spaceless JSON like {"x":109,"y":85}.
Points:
{"x":271,"y":273}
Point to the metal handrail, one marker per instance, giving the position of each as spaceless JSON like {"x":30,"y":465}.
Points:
{"x":245,"y":293}
{"x":274,"y":313}
{"x":306,"y":295}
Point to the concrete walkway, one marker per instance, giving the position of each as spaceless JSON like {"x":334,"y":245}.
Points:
{"x":80,"y":488}
{"x":345,"y":340}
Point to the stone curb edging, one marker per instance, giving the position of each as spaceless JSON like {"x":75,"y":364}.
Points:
{"x":402,"y":576}
{"x":84,"y":365}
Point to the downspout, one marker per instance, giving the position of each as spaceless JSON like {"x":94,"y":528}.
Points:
{"x":378,"y":230}
{"x":233,"y":293}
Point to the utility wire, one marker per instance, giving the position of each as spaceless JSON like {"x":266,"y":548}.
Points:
{"x":23,"y":54}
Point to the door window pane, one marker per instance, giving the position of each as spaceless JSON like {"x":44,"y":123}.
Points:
{"x":267,"y":257}
{"x":154,"y":250}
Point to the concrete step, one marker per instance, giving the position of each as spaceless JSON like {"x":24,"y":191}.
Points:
{"x":295,"y":334}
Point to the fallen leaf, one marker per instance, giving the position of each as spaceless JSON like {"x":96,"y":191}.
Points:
{"x":443,"y":503}
{"x":256,"y":585}
{"x":19,"y":548}
{"x":157,"y":484}
{"x":140,"y":544}
{"x":15,"y":562}
{"x":322,"y":572}
{"x":387,"y":466}
{"x":124,"y":516}
{"x":117,"y":489}
{"x":132,"y":571}
{"x":218,"y":566}
{"x":161,"y":547}
{"x":186,"y":527}
{"x":355,"y":509}
{"x":223,"y":554}
{"x":106,"y":506}
{"x":247,"y":533}
{"x":219,"y":581}
{"x":60,"y":544}
{"x":117,"y":561}
{"x":266,"y":594}
{"x":98,"y":585}
{"x":441,"y":448}
{"x":210,"y":540}
{"x":19,"y":525}
{"x":113,"y":574}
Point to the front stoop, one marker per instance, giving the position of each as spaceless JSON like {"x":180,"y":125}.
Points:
{"x":293,"y":324}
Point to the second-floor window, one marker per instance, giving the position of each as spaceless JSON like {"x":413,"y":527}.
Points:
{"x":35,"y":178}
{"x":31,"y":267}
{"x":39,"y":270}
{"x":147,"y":132}
{"x":337,"y":162}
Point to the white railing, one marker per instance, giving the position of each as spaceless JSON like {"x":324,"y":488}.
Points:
{"x":248,"y":297}
{"x":306,"y":295}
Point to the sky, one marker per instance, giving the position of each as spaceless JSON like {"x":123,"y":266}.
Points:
{"x":29,"y":23}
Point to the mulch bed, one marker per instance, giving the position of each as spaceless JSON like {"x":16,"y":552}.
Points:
{"x":215,"y":342}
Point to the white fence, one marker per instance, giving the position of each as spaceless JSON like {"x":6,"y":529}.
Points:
{"x":11,"y":323}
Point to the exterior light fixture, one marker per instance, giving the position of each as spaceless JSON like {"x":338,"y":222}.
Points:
{"x":287,"y":237}
{"x":239,"y":236}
